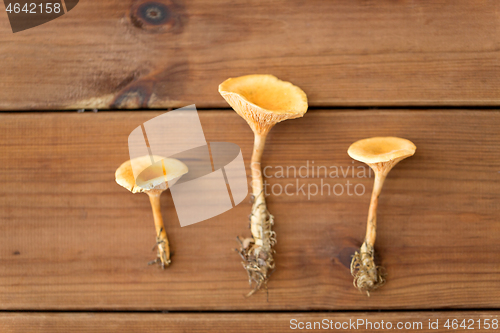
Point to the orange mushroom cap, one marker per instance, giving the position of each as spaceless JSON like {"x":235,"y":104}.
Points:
{"x":381,"y":149}
{"x":159,"y":175}
{"x":264,"y":100}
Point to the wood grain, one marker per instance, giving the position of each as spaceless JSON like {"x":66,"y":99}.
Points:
{"x":372,"y":53}
{"x":72,"y":239}
{"x":238,"y":322}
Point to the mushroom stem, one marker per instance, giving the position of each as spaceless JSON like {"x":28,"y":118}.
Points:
{"x":257,"y":252}
{"x":260,"y":215}
{"x":257,"y":178}
{"x":367,"y":275}
{"x":161,"y":235}
{"x":371,"y":225}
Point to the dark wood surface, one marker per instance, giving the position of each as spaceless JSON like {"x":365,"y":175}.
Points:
{"x":371,"y":53}
{"x":72,"y":239}
{"x":240,"y":322}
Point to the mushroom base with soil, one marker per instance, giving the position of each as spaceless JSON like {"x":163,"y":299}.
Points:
{"x":257,"y":252}
{"x":367,"y":275}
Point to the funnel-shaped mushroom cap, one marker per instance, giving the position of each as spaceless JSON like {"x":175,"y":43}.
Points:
{"x":264,"y":100}
{"x":159,"y":175}
{"x":381,"y":149}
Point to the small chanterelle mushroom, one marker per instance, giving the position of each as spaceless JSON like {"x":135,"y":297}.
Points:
{"x":381,"y":154}
{"x":155,"y":174}
{"x":263,"y":101}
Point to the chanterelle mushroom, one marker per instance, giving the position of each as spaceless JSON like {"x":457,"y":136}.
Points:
{"x":381,"y":154}
{"x":263,"y":101}
{"x":155,"y":175}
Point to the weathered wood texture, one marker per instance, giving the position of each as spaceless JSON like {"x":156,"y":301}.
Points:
{"x":374,"y":53}
{"x":242,"y":322}
{"x":71,"y":238}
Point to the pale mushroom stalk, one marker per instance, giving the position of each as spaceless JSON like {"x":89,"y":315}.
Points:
{"x":257,"y":252}
{"x":263,"y":101}
{"x":380,"y":154}
{"x":260,"y":214}
{"x":369,"y":276}
{"x":161,"y":234}
{"x":155,"y":174}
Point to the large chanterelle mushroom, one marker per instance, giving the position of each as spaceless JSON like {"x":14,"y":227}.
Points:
{"x":263,"y":101}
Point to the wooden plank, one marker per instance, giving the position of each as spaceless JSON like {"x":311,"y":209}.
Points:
{"x":341,"y":53}
{"x":247,"y":322}
{"x":72,"y":239}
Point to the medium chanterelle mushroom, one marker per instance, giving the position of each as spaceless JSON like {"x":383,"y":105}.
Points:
{"x":381,"y":154}
{"x":155,"y":175}
{"x":263,"y":101}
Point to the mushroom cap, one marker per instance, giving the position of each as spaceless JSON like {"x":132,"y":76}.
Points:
{"x":159,"y":175}
{"x":381,"y":149}
{"x":264,"y":100}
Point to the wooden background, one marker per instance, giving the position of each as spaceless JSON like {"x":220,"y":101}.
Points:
{"x":74,"y":245}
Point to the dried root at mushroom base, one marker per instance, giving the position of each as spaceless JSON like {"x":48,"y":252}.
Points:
{"x":257,"y":251}
{"x":367,"y":276}
{"x":163,"y":251}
